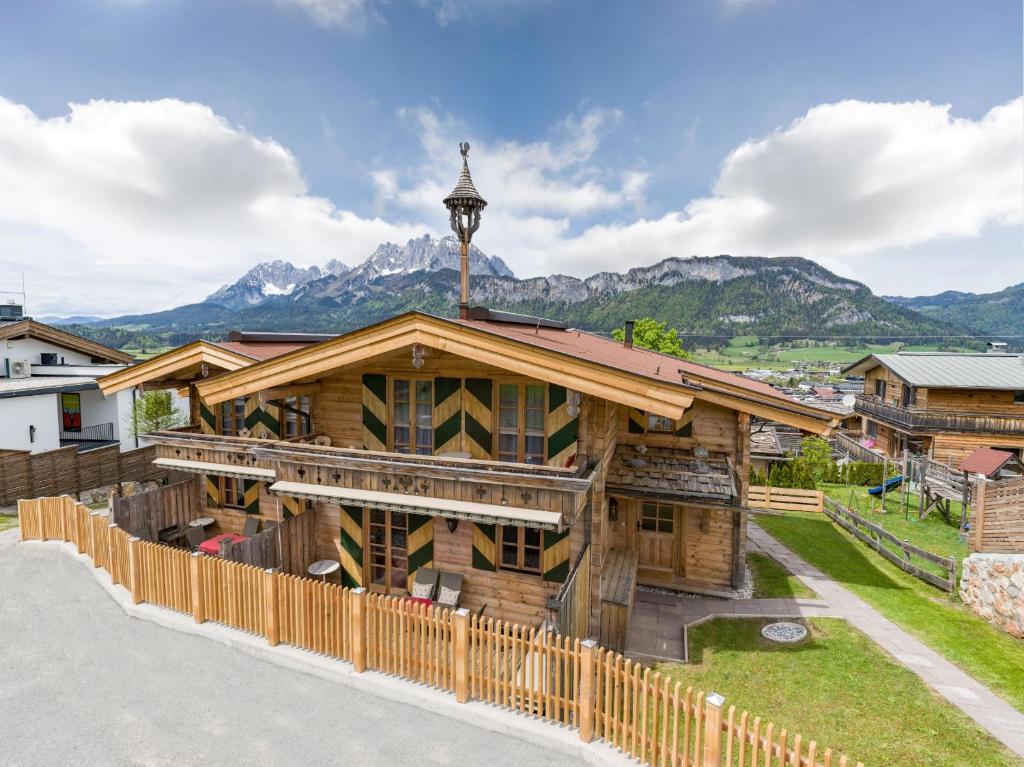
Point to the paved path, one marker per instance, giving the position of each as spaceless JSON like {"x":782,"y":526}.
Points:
{"x":82,"y":683}
{"x":973,"y":698}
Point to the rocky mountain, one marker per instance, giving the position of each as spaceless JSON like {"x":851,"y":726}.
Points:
{"x":718,"y":296}
{"x":996,"y":314}
{"x":272,"y":278}
{"x":76,"y":319}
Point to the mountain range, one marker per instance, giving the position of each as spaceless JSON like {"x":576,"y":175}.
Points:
{"x":997,"y":314}
{"x":716,"y":297}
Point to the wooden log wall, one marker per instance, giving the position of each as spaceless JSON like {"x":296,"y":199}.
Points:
{"x":515,"y":667}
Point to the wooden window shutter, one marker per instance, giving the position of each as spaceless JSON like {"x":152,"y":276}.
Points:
{"x":251,"y":489}
{"x":207,"y":419}
{"x":420,"y":541}
{"x":375,"y":411}
{"x":562,"y":429}
{"x":212,"y":490}
{"x":485,"y":551}
{"x":447,"y":415}
{"x":262,"y":422}
{"x":479,"y":406}
{"x":555,"y":564}
{"x":351,"y":546}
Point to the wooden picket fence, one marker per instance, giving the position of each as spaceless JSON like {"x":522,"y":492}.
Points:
{"x":536,"y":672}
{"x":785,"y":499}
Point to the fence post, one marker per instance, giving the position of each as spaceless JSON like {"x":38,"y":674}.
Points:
{"x":135,"y":569}
{"x":460,"y":625}
{"x":768,"y":497}
{"x":24,"y":511}
{"x":713,"y":730}
{"x":198,"y":592}
{"x":92,"y":538}
{"x":110,"y":549}
{"x":978,"y":515}
{"x":270,"y":605}
{"x":588,"y":653}
{"x":359,"y":597}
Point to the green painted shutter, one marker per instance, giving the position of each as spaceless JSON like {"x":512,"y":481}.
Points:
{"x":212,"y":490}
{"x":479,"y":404}
{"x":484,"y":548}
{"x":555,"y":562}
{"x":562,"y":428}
{"x":447,"y":415}
{"x":262,"y":422}
{"x":293,"y":507}
{"x":375,"y":411}
{"x":252,"y":496}
{"x":351,"y":546}
{"x":421,"y":541}
{"x":207,"y":419}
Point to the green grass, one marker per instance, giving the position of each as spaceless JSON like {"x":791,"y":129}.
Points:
{"x":990,"y":656}
{"x":839,"y":689}
{"x":7,"y":522}
{"x":773,"y":580}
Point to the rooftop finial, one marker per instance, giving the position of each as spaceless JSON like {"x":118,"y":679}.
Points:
{"x":464,"y":205}
{"x":464,"y":149}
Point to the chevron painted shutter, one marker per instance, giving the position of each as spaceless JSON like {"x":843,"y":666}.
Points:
{"x":555,"y":562}
{"x":375,"y":411}
{"x":684,"y":426}
{"x":207,"y":419}
{"x":421,"y":542}
{"x":351,"y":546}
{"x":252,"y":496}
{"x":479,"y":402}
{"x":262,"y":422}
{"x":292,"y":507}
{"x":562,"y":429}
{"x":637,"y":421}
{"x":447,"y":415}
{"x":212,"y":490}
{"x":484,"y":549}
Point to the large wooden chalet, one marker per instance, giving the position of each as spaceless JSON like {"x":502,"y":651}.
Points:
{"x":944,"y":405}
{"x":499,"y":446}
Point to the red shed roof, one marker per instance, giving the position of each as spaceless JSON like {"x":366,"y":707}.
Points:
{"x":985,"y":460}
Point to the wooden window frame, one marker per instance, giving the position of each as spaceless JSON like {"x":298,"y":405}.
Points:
{"x":238,"y":491}
{"x":880,"y":387}
{"x":238,"y":423}
{"x":521,"y":433}
{"x":392,"y":401}
{"x":1018,"y":397}
{"x":520,"y":566}
{"x":388,"y":526}
{"x":658,"y":518}
{"x":304,"y":425}
{"x":648,"y":429}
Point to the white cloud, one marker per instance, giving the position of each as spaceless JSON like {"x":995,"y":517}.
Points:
{"x":138,"y":206}
{"x":450,"y":11}
{"x":350,"y":14}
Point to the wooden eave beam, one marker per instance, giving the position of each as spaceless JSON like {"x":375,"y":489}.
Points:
{"x":791,"y":417}
{"x":167,"y":366}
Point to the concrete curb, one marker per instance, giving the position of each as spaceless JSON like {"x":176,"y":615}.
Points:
{"x":485,"y":716}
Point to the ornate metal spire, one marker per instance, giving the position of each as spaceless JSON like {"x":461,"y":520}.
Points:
{"x":464,"y":205}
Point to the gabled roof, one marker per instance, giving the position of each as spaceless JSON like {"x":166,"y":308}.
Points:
{"x":947,"y":370}
{"x":50,"y":334}
{"x":582,"y":361}
{"x":986,"y":460}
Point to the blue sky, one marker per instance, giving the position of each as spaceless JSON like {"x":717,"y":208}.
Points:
{"x":882,"y":139}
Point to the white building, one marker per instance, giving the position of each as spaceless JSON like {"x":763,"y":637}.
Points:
{"x":48,"y":392}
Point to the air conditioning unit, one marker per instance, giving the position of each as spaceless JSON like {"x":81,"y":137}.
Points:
{"x":21,"y":369}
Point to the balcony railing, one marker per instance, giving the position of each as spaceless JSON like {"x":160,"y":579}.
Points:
{"x":921,"y":419}
{"x":845,"y":443}
{"x":88,"y":436}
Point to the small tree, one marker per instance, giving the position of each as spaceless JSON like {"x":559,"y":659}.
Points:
{"x":649,"y":333}
{"x":153,"y":411}
{"x":816,"y":455}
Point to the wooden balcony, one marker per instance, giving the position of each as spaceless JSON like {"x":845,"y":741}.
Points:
{"x":916,"y":419}
{"x":445,"y":486}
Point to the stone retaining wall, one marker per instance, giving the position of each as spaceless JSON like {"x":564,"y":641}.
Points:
{"x":993,"y":586}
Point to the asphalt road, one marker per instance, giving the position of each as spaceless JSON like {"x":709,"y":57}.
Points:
{"x":82,"y":683}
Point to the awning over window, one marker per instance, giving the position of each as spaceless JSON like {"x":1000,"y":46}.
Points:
{"x":485,"y":513}
{"x":220,"y":469}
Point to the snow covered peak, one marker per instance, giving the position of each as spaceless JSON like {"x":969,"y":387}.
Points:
{"x":428,"y":253}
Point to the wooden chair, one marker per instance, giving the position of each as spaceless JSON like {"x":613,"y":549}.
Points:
{"x":195,"y":536}
{"x":252,"y":526}
{"x":449,"y":590}
{"x":424,"y":584}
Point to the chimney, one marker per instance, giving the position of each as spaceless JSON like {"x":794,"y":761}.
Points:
{"x":628,"y":340}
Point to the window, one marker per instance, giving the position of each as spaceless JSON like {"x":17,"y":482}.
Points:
{"x":412,"y":416}
{"x":879,"y":388}
{"x":520,"y":549}
{"x":389,"y":565}
{"x":1018,"y":398}
{"x":909,"y":396}
{"x":521,"y":409}
{"x":657,"y":517}
{"x":232,"y":417}
{"x":872,"y":429}
{"x":296,"y":417}
{"x":232,"y":493}
{"x":658,"y":423}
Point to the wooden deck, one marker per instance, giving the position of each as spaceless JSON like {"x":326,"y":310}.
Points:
{"x":618,"y":591}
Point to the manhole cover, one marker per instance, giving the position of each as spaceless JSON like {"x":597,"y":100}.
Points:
{"x":784,"y":632}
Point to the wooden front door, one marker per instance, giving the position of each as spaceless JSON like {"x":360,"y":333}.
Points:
{"x":388,"y":561}
{"x":656,"y":540}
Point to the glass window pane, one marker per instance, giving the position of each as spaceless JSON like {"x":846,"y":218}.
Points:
{"x":649,"y":524}
{"x":508,"y":555}
{"x":508,"y":418}
{"x":535,"y":396}
{"x":508,"y":394}
{"x":531,"y":559}
{"x":534,"y":449}
{"x":510,"y":534}
{"x":401,"y":391}
{"x":425,"y":392}
{"x":531,"y":537}
{"x":535,"y":420}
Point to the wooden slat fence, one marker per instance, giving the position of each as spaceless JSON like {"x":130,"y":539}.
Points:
{"x":536,"y":672}
{"x":289,"y":546}
{"x":785,"y":499}
{"x":66,"y":471}
{"x":569,"y":610}
{"x":997,"y":524}
{"x":146,"y":514}
{"x":876,"y":537}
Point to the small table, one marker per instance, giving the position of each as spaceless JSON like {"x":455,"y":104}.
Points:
{"x":323,"y":568}
{"x":211,"y":546}
{"x":202,"y":522}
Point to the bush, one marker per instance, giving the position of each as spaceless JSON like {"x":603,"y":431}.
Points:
{"x":863,"y":473}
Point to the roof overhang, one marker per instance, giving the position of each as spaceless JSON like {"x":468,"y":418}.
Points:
{"x":598,"y":380}
{"x":220,"y":469}
{"x":58,"y":337}
{"x":168,"y":369}
{"x":485,"y":513}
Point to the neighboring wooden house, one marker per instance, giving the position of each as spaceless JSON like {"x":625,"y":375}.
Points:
{"x":498,"y":446}
{"x":992,"y":464}
{"x":942,"y":404}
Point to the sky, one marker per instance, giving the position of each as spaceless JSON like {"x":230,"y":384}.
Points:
{"x":153,"y":150}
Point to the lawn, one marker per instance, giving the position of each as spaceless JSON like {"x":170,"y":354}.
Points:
{"x":839,"y":689}
{"x":984,"y":652}
{"x":8,"y":521}
{"x":932,"y":534}
{"x":773,"y":580}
